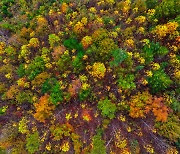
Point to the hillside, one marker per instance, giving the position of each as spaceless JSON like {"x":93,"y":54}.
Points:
{"x":89,"y":76}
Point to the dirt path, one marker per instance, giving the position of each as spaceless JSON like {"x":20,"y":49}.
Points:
{"x":4,"y":36}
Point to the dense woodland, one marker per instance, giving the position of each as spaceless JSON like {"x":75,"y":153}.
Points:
{"x":89,"y":76}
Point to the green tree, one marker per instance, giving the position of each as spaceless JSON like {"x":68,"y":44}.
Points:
{"x":107,"y":108}
{"x":119,"y":56}
{"x":33,"y":142}
{"x":98,"y":144}
{"x":159,"y":81}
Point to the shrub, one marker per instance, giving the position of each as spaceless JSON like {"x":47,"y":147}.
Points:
{"x":107,"y":108}
{"x":66,"y":130}
{"x":67,"y":96}
{"x":126,"y":67}
{"x":107,"y":20}
{"x":175,"y":105}
{"x":177,"y":19}
{"x":42,"y":23}
{"x":8,"y":26}
{"x":2,"y":47}
{"x":2,"y":150}
{"x":140,"y":19}
{"x":148,"y":53}
{"x":8,"y":68}
{"x":19,"y":146}
{"x":120,"y":140}
{"x":127,"y":34}
{"x":32,"y":142}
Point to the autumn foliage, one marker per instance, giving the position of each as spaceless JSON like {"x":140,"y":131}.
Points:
{"x":43,"y":108}
{"x":89,"y":76}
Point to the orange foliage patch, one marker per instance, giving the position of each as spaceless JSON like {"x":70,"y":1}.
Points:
{"x":158,"y":108}
{"x":64,"y":7}
{"x":12,"y":92}
{"x":86,"y":115}
{"x":43,"y":109}
{"x":58,"y":51}
{"x":74,"y":87}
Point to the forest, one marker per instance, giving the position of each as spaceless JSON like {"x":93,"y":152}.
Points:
{"x":89,"y":76}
